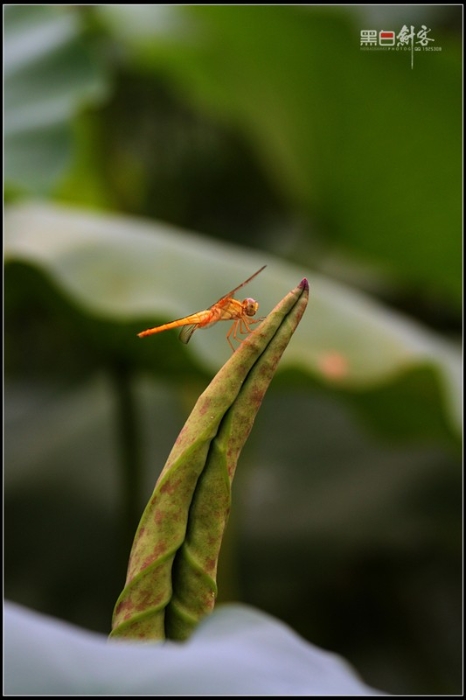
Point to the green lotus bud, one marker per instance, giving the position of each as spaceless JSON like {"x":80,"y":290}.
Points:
{"x":171,"y":580}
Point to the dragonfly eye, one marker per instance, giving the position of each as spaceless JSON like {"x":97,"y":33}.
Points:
{"x":250,"y":306}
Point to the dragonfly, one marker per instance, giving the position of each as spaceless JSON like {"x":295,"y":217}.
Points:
{"x":227,"y":308}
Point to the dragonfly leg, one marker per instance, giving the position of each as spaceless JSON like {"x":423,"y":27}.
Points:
{"x":242,"y":327}
{"x":246,"y":323}
{"x":232,"y":330}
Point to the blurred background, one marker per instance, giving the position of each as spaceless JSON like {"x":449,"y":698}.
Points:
{"x":156,"y":156}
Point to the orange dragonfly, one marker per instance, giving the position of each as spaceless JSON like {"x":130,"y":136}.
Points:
{"x":225,"y":309}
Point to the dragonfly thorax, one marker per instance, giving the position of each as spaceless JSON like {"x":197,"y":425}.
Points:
{"x":250,"y":306}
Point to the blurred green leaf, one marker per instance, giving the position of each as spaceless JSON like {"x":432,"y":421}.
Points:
{"x":369,"y":148}
{"x":49,"y":75}
{"x":115,"y":270}
{"x":238,"y":648}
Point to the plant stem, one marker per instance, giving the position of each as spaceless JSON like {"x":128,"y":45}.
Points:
{"x":129,"y":449}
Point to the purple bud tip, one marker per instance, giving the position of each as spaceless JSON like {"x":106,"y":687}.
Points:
{"x":304,"y":283}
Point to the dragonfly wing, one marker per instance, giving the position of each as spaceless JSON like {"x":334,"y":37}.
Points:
{"x":186,"y":333}
{"x":231,"y":294}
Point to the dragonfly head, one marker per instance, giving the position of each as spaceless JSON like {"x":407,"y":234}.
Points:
{"x":250,"y":306}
